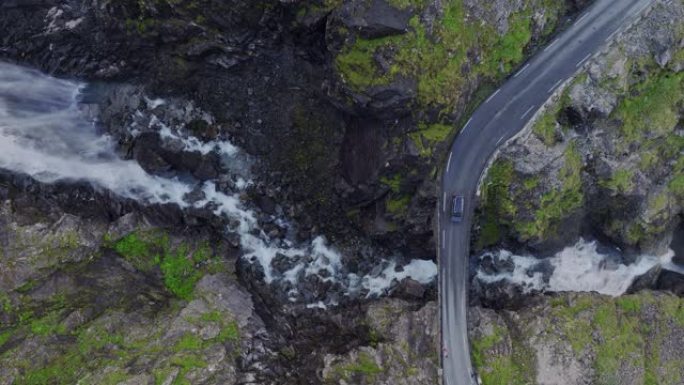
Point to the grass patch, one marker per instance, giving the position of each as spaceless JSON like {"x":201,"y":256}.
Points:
{"x":179,"y":264}
{"x":229,"y":332}
{"x":621,"y":342}
{"x":189,"y":342}
{"x":428,"y":136}
{"x":621,"y":181}
{"x":558,"y":203}
{"x":497,"y":202}
{"x":500,"y":370}
{"x":398,"y":206}
{"x":654,"y":108}
{"x":545,"y":127}
{"x":47,"y":325}
{"x":364,"y":366}
{"x":676,"y":185}
{"x":394,"y":182}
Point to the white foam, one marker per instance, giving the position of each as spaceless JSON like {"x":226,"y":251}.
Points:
{"x":191,"y":143}
{"x":420,"y":270}
{"x":577,"y":268}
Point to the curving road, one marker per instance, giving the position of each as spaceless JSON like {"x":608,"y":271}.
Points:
{"x":498,"y":119}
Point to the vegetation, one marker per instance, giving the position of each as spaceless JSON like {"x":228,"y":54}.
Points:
{"x":654,"y":108}
{"x":437,"y":59}
{"x":558,"y":203}
{"x":428,"y":136}
{"x":180,"y":264}
{"x":621,"y":181}
{"x":364,"y":366}
{"x":497,"y":202}
{"x":501,"y":208}
{"x":514,"y":369}
{"x":616,"y":331}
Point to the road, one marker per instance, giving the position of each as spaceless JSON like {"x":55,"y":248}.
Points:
{"x":498,"y":119}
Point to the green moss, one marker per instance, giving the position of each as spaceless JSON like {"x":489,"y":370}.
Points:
{"x":620,"y":181}
{"x":188,"y":341}
{"x":558,"y":203}
{"x":545,"y":126}
{"x":179,"y":264}
{"x":654,"y":108}
{"x":180,"y":272}
{"x":621,"y":342}
{"x":90,"y":341}
{"x":429,"y":136}
{"x":497,"y":202}
{"x":398,"y":206}
{"x":114,"y":377}
{"x":393,"y":182}
{"x":676,"y":185}
{"x":47,"y":325}
{"x":630,"y":304}
{"x":230,"y":332}
{"x":66,"y":369}
{"x":186,"y":363}
{"x":212,"y":316}
{"x":404,"y":4}
{"x":5,"y":336}
{"x":440,"y":60}
{"x":508,"y":50}
{"x":364,"y":366}
{"x":514,"y":369}
{"x":576,"y":326}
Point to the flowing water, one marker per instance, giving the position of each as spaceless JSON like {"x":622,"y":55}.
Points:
{"x":44,"y":133}
{"x":582,"y":267}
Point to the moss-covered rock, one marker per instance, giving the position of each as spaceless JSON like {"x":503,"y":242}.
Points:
{"x":605,"y":155}
{"x":581,"y":339}
{"x":403,"y":348}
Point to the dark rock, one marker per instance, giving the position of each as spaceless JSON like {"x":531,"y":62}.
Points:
{"x":671,"y":281}
{"x":374,"y":18}
{"x":145,"y":152}
{"x":408,"y":289}
{"x":493,"y":264}
{"x":677,"y":245}
{"x":282,"y":263}
{"x":648,"y":280}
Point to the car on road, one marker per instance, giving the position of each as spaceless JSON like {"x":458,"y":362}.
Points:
{"x":457,"y":205}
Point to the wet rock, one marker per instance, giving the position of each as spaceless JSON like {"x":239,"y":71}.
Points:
{"x":648,"y":280}
{"x":677,"y":245}
{"x":493,"y":264}
{"x":282,"y":263}
{"x":671,"y":281}
{"x":373,"y":19}
{"x":408,"y":289}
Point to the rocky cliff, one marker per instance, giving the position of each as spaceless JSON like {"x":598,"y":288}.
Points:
{"x":581,"y":339}
{"x":604,"y":160}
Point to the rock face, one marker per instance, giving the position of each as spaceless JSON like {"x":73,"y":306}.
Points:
{"x":605,"y":157}
{"x":581,"y":339}
{"x":83,"y":299}
{"x":402,"y":349}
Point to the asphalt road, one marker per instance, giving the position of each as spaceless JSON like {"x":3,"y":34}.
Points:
{"x":498,"y":119}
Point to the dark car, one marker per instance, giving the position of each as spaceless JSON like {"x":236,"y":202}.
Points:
{"x":457,"y":204}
